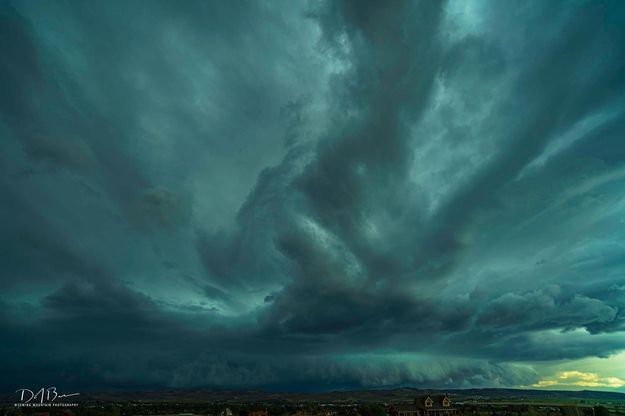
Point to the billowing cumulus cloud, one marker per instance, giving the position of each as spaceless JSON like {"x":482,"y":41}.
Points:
{"x":308,"y":196}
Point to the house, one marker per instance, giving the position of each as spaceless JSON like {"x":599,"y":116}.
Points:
{"x":426,"y":405}
{"x":226,"y":412}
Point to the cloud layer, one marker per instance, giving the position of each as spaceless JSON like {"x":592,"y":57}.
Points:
{"x":310,"y":195}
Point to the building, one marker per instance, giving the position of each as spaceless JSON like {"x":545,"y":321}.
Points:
{"x":226,"y":412}
{"x":426,"y":405}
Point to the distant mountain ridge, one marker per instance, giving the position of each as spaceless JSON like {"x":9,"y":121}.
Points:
{"x":396,"y":395}
{"x":404,"y":394}
{"x":580,"y":394}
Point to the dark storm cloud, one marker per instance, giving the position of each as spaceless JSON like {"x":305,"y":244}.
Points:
{"x":345,"y":189}
{"x":94,"y":355}
{"x":541,"y":308}
{"x":309,"y":196}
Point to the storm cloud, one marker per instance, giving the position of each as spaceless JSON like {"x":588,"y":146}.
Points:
{"x":309,"y":195}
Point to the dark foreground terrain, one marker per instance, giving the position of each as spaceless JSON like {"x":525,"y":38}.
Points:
{"x":499,"y":402}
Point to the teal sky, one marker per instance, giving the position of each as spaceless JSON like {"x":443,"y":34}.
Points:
{"x":300,"y":195}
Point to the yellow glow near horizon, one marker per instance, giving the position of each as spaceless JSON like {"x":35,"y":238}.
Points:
{"x":602,"y":373}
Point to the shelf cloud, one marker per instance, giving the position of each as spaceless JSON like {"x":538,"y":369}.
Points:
{"x":311,"y":196}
